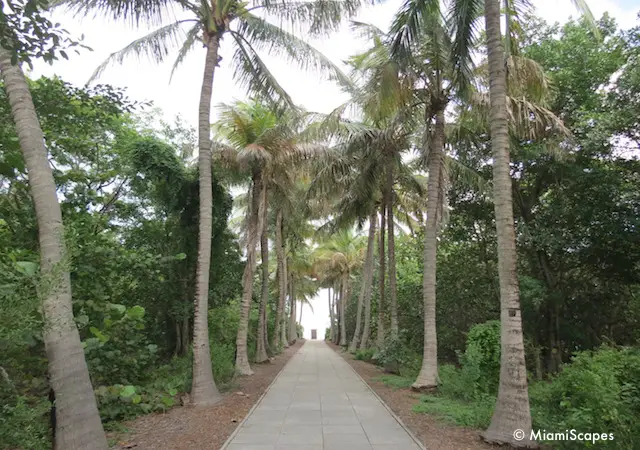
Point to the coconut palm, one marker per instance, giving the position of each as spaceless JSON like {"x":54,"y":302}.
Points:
{"x":303,"y":283}
{"x":339,"y":256}
{"x":421,"y":46}
{"x":253,"y":142}
{"x":264,"y":145}
{"x":512,"y":407}
{"x":78,"y":424}
{"x":364,"y":300}
{"x":208,"y":23}
{"x":305,"y":298}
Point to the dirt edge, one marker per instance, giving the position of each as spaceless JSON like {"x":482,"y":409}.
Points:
{"x":187,"y":428}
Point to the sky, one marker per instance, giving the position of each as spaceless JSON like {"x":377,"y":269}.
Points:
{"x":145,"y":80}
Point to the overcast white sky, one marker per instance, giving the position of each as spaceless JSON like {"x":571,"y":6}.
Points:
{"x":144,"y":80}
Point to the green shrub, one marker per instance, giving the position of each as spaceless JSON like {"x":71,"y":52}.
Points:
{"x":455,"y":384}
{"x":481,"y":359}
{"x":24,"y":424}
{"x":598,"y":392}
{"x":223,"y":360}
{"x":118,"y":352}
{"x":397,"y":358}
{"x":365,"y":355}
{"x":120,"y":402}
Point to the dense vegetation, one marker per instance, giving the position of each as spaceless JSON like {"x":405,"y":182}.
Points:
{"x":387,"y":210}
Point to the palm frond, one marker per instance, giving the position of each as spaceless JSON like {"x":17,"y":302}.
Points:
{"x":583,"y":8}
{"x":466,"y":176}
{"x":252,"y":73}
{"x":187,"y":46}
{"x":463,"y":20}
{"x":366,"y":30}
{"x":263,"y":35}
{"x":409,"y":25}
{"x":315,"y":18}
{"x":151,"y":12}
{"x":155,"y":46}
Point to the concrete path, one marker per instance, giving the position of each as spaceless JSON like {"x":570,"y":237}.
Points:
{"x":319,"y":403}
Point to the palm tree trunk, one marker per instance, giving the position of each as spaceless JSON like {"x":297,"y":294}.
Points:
{"x":343,"y":301}
{"x":428,"y":376}
{"x":293,"y":334}
{"x":367,"y":297}
{"x":254,"y":231}
{"x":331,"y":330}
{"x":381,"y":255}
{"x":287,"y":289}
{"x":78,"y":424}
{"x":393,"y":290}
{"x":277,"y":340}
{"x":365,"y":290}
{"x":512,"y":407}
{"x":261,"y":346}
{"x":301,"y":306}
{"x":203,"y":388}
{"x":336,"y":312}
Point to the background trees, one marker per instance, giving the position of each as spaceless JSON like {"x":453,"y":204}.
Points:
{"x":129,"y":194}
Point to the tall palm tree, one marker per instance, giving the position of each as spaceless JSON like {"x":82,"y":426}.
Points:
{"x":208,"y":24}
{"x":253,"y":141}
{"x":261,"y":336}
{"x":421,"y":46}
{"x":303,"y":283}
{"x":364,"y":300}
{"x":340,"y":256}
{"x":265,"y":145}
{"x":281,"y":275}
{"x":78,"y":424}
{"x":512,"y":407}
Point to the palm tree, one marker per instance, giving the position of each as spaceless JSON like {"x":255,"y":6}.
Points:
{"x":340,"y":256}
{"x":512,"y":407}
{"x":78,"y":424}
{"x":364,"y":300}
{"x":421,"y":46}
{"x":208,"y":24}
{"x":265,"y":146}
{"x":303,"y":284}
{"x":252,"y":142}
{"x":281,"y":273}
{"x":305,"y":299}
{"x":261,"y":336}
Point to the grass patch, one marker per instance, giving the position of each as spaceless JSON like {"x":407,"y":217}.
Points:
{"x":396,"y":381}
{"x":365,"y":355}
{"x":475,"y":414}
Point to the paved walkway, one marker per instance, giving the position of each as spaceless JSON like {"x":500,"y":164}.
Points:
{"x":319,"y":403}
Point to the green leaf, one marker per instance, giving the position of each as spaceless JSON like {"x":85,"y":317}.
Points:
{"x":127,"y":391}
{"x":136,"y":312}
{"x":82,"y":320}
{"x":27,"y":267}
{"x":98,"y":334}
{"x":136,"y":399}
{"x":120,"y":308}
{"x":181,"y":256}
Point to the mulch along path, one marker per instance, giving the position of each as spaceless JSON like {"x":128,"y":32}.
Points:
{"x":187,"y":428}
{"x":433,"y":433}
